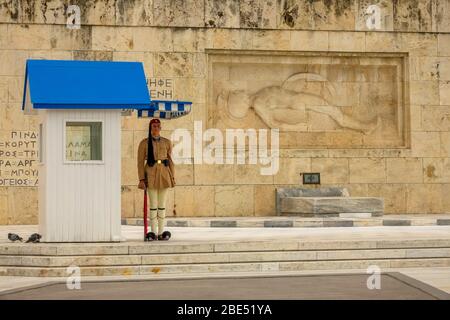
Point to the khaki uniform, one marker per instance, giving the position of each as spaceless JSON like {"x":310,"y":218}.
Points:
{"x":158,"y":176}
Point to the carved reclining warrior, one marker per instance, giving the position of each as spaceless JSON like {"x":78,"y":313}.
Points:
{"x":285,"y":106}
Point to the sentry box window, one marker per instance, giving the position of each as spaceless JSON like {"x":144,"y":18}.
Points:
{"x":311,"y":178}
{"x":83,"y":141}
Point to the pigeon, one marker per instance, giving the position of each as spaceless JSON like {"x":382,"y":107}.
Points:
{"x":14,"y":237}
{"x":35,"y":237}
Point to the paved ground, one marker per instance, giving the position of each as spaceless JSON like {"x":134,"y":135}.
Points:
{"x":436,"y":277}
{"x":343,"y":286}
{"x":186,"y":235}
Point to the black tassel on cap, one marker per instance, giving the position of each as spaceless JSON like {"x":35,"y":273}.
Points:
{"x":150,"y":155}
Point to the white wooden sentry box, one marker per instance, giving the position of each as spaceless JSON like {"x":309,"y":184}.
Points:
{"x":79,"y":105}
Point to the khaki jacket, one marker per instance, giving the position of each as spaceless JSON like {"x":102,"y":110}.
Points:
{"x":158,"y":176}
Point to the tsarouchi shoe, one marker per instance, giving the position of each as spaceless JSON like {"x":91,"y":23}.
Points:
{"x":164,"y":236}
{"x":150,"y":236}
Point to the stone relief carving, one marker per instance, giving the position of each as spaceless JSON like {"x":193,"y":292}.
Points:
{"x":285,"y":106}
{"x":314,"y":101}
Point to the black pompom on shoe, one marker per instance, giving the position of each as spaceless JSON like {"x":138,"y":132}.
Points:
{"x":164,"y":236}
{"x":150,"y":236}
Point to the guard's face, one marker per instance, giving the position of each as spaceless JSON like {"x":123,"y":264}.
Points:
{"x":155,"y":129}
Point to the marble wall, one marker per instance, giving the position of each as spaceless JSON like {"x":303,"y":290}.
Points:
{"x":390,"y":85}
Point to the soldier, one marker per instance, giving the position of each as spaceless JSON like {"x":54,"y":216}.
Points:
{"x":157,"y":175}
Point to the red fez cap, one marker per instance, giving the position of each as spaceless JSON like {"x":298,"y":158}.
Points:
{"x":155,"y":120}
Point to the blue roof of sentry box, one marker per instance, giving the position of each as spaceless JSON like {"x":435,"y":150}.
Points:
{"x":69,"y":84}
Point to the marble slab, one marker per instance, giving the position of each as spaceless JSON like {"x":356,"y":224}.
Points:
{"x":330,"y":205}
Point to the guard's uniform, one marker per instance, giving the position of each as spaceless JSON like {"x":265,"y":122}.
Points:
{"x":159,"y":177}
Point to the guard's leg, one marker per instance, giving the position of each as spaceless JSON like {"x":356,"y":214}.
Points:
{"x":153,"y":220}
{"x":153,"y":194}
{"x":162,"y":193}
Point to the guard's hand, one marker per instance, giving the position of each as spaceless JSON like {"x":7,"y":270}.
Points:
{"x":142,"y":185}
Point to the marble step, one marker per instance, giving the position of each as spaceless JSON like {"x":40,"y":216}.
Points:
{"x":255,"y":267}
{"x":355,"y":219}
{"x":222,"y":257}
{"x":142,"y":248}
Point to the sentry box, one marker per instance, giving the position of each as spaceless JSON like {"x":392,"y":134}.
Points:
{"x":79,"y":106}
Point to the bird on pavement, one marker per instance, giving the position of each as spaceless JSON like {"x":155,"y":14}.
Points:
{"x":35,"y":237}
{"x":14,"y":237}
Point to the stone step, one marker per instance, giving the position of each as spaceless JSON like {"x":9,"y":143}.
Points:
{"x":221,"y":257}
{"x":357,"y":219}
{"x":255,"y":267}
{"x":139,"y":258}
{"x":143,"y":248}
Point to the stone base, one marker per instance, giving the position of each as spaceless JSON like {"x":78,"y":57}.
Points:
{"x":332,"y":205}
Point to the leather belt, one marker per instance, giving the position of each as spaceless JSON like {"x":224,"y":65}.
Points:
{"x":163,"y":161}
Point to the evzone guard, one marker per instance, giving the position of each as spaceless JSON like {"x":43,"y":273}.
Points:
{"x":156,"y":172}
